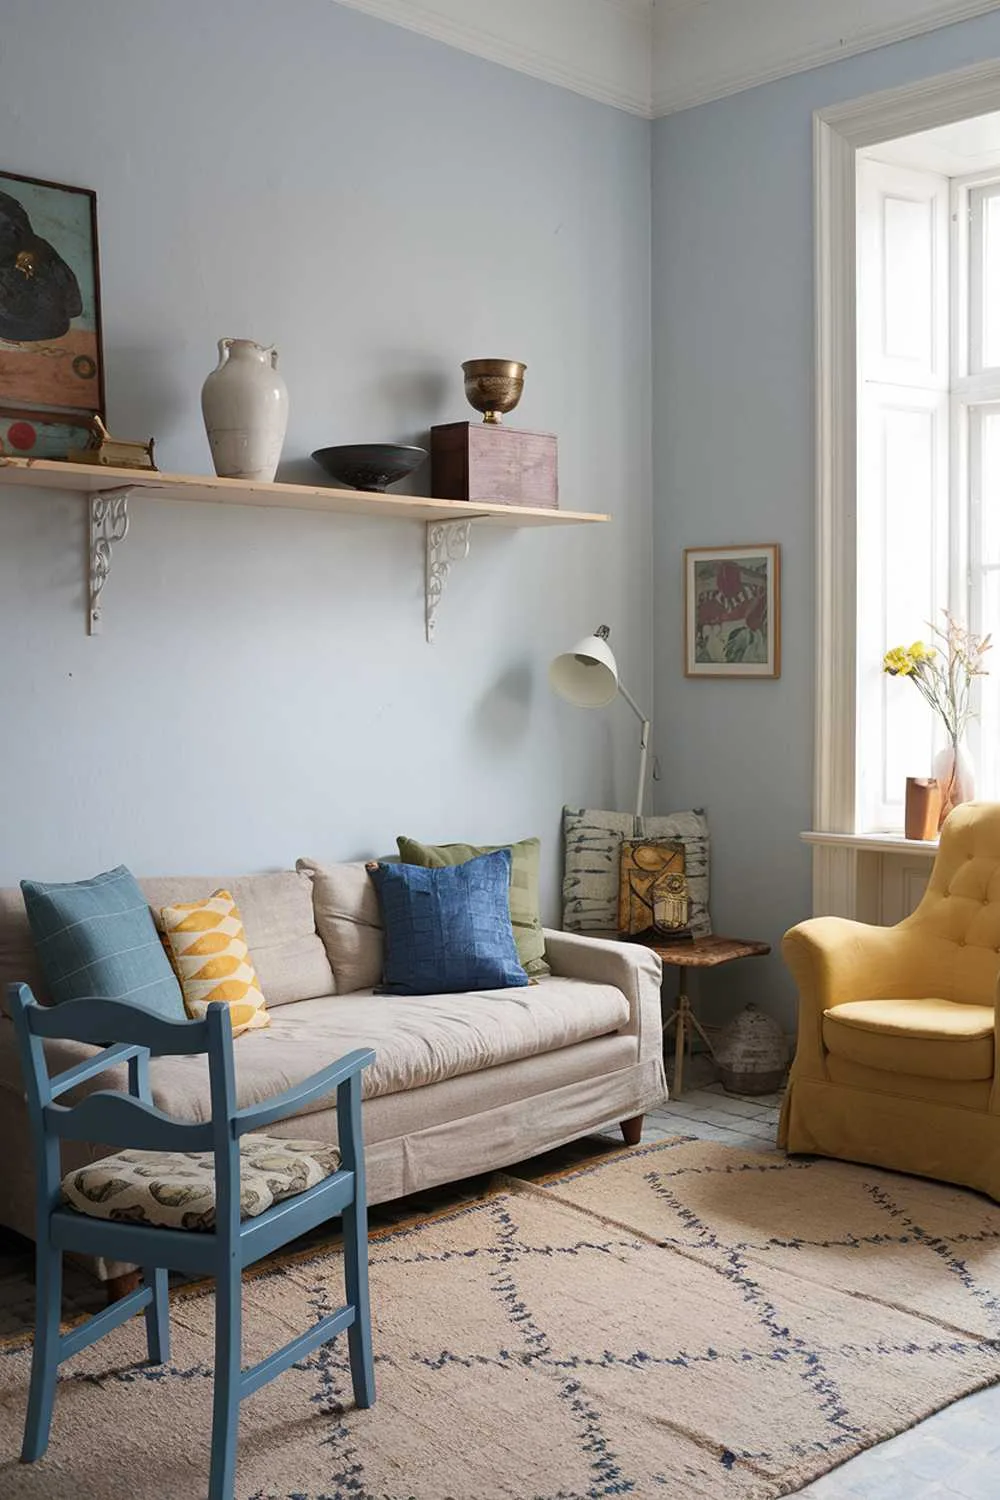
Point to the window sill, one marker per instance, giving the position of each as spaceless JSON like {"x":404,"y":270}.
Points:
{"x":874,"y":843}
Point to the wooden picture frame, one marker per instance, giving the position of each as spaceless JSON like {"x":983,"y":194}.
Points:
{"x":732,"y":611}
{"x":51,"y":346}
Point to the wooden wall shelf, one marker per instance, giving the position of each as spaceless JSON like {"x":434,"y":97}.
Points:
{"x":108,"y":490}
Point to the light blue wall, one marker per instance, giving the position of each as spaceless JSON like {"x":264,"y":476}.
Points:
{"x":381,"y":207}
{"x":734,"y":462}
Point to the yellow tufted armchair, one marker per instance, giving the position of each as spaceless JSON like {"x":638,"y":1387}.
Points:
{"x":897,"y":1053}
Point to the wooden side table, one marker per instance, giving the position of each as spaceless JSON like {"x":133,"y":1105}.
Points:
{"x":696,"y":953}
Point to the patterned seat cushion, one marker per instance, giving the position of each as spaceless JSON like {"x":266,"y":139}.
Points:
{"x":176,"y":1189}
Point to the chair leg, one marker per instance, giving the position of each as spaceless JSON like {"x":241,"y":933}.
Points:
{"x":157,"y":1315}
{"x":45,"y":1356}
{"x":359,"y":1335}
{"x":632,"y":1130}
{"x":226,"y":1400}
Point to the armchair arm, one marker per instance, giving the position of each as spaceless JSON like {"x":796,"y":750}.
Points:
{"x":833,"y":960}
{"x":290,"y":1101}
{"x":634,"y":970}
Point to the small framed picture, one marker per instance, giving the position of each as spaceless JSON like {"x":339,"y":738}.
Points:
{"x":732,"y":605}
{"x":51,"y":359}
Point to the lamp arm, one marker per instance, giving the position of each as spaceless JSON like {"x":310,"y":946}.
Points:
{"x":643,"y":747}
{"x":632,"y":703}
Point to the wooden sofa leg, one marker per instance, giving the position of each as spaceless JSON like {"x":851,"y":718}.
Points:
{"x":632,"y":1130}
{"x":121,"y":1286}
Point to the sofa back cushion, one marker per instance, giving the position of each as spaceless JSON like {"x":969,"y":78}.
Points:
{"x":349,"y":921}
{"x":19,"y":962}
{"x":277,"y":910}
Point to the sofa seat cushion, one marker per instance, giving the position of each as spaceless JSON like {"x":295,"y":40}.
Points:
{"x":176,"y":1189}
{"x":925,"y":1038}
{"x":418,"y":1040}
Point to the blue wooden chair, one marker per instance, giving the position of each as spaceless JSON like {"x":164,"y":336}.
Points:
{"x":131,"y":1120}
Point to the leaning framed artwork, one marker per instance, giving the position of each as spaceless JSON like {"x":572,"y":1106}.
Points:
{"x":732,"y":606}
{"x":51,"y":358}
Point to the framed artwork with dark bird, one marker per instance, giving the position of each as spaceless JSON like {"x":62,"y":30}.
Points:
{"x":51,"y":360}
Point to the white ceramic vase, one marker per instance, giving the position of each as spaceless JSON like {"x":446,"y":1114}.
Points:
{"x":245,"y":405}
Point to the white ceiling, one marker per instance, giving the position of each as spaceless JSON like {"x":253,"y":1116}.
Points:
{"x":653,"y":57}
{"x":957,"y":150}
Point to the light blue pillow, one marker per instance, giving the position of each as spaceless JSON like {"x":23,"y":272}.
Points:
{"x":96,"y":938}
{"x":447,"y":930}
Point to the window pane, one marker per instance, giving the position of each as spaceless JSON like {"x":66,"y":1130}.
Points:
{"x":987,"y":741}
{"x":984,"y":441}
{"x":910,"y":593}
{"x":908,"y":301}
{"x":991,"y":281}
{"x":989,"y":487}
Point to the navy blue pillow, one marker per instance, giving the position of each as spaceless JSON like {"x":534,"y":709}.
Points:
{"x":97,"y":938}
{"x":447,"y":930}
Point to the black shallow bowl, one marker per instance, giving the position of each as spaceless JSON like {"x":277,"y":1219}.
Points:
{"x":370,"y":466}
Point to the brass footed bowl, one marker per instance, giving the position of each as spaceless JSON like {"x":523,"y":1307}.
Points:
{"x":493,"y":386}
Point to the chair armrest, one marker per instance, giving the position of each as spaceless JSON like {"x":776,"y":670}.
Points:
{"x":631,"y":968}
{"x":290,"y":1101}
{"x":92,"y":1066}
{"x":833,"y":960}
{"x":61,"y":1057}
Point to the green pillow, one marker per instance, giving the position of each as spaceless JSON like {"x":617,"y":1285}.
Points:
{"x":524,"y":899}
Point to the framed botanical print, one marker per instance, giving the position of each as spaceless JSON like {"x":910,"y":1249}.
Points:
{"x":51,"y":358}
{"x":732,"y":605}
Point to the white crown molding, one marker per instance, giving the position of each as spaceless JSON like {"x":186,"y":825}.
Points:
{"x":925,"y":104}
{"x":655,"y":57}
{"x":599,"y":48}
{"x":699,"y":69}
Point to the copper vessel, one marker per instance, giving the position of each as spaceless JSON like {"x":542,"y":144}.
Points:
{"x":923,"y":807}
{"x":493,"y":386}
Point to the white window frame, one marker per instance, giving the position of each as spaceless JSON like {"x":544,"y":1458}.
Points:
{"x":975,"y":391}
{"x":840,"y":871}
{"x":912,"y":386}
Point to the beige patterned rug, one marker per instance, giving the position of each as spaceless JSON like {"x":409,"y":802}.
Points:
{"x":687,"y":1320}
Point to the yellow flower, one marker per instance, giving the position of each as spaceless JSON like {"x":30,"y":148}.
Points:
{"x":919,"y":651}
{"x":898,"y":662}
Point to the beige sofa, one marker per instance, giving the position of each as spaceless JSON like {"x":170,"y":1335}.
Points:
{"x":461,"y":1083}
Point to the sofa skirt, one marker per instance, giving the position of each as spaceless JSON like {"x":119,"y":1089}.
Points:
{"x":478,"y":1122}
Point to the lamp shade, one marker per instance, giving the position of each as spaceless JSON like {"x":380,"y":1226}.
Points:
{"x":587,"y":675}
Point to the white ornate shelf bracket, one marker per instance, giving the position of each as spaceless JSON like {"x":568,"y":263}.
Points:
{"x":447,"y":544}
{"x":108,"y":524}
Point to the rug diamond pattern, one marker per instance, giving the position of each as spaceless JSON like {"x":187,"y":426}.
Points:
{"x":685,"y":1319}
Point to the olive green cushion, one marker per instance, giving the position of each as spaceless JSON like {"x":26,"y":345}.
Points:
{"x":524,"y":899}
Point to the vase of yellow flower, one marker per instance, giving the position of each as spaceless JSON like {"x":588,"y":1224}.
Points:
{"x":956,"y":776}
{"x":944,"y":675}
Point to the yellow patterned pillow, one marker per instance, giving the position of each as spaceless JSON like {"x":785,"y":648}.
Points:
{"x":208,"y":949}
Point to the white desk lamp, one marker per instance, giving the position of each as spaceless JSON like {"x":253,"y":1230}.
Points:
{"x":588,"y":677}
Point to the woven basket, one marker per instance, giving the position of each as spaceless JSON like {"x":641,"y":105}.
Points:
{"x":752,"y":1053}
